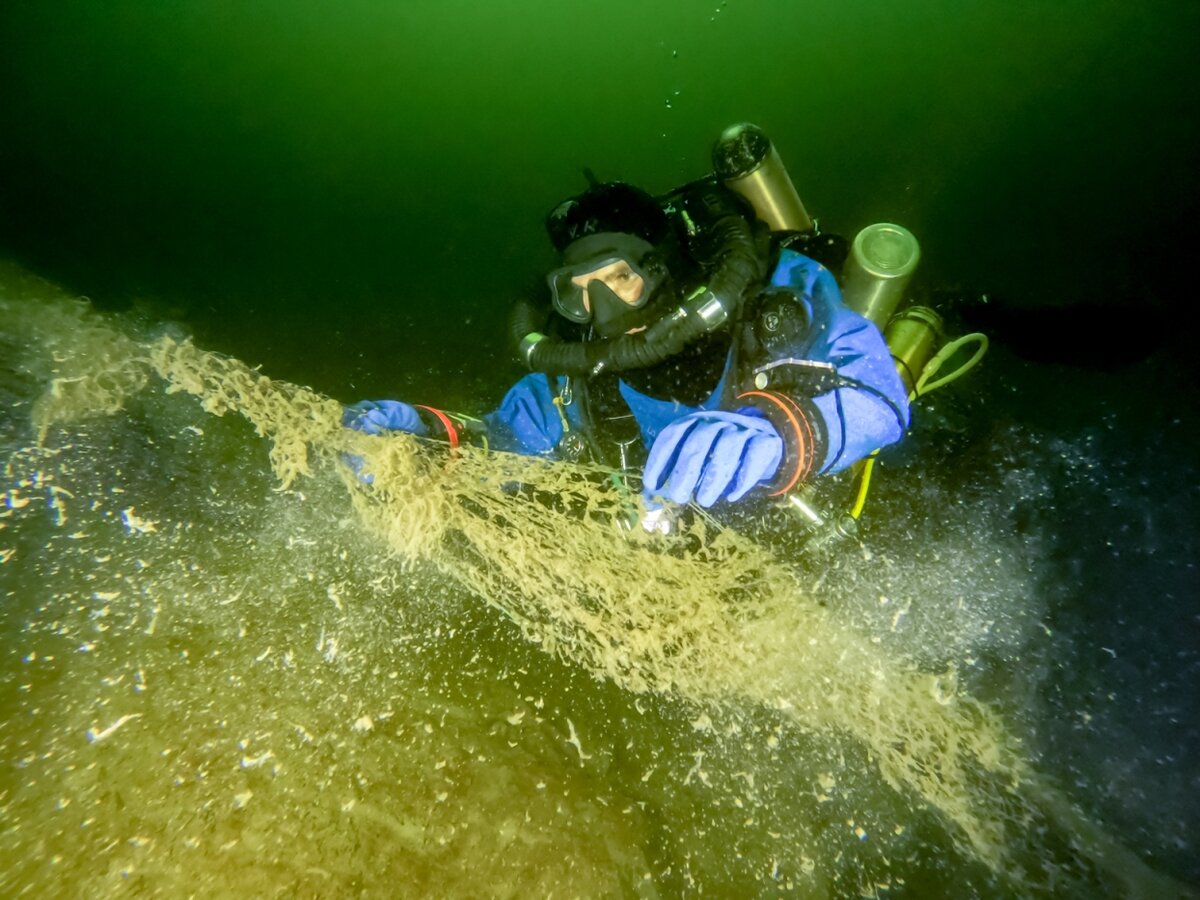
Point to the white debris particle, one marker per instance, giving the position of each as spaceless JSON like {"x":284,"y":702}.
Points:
{"x":255,"y":762}
{"x":574,"y":741}
{"x":515,"y":718}
{"x":241,"y":800}
{"x":333,"y":595}
{"x":137,"y":523}
{"x":364,"y":724}
{"x":93,"y":735}
{"x":944,"y":687}
{"x":696,"y":771}
{"x":331,"y":649}
{"x":56,"y":503}
{"x":13,"y":501}
{"x":149,"y":629}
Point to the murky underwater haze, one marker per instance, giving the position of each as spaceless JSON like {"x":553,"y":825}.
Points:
{"x":224,"y":686}
{"x":215,"y":684}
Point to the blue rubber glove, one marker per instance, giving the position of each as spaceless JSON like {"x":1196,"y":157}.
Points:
{"x":378,"y":416}
{"x":712,"y":455}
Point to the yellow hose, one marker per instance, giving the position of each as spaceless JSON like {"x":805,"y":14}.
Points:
{"x":866,"y":467}
{"x":926,"y":384}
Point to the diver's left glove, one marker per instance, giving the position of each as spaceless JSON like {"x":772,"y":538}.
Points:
{"x":378,"y":416}
{"x":712,"y":455}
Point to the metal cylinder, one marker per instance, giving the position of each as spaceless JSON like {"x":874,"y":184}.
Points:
{"x":912,"y":337}
{"x":882,"y":259}
{"x":747,"y":163}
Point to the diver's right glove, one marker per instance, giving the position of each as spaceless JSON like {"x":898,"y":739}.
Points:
{"x":710,"y":455}
{"x":379,"y":416}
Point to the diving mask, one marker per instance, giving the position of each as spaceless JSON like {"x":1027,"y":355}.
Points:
{"x":621,"y":281}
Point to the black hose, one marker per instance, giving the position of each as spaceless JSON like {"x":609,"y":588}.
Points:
{"x":739,"y":264}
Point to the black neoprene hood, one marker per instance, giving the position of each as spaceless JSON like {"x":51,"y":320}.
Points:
{"x":610,"y":207}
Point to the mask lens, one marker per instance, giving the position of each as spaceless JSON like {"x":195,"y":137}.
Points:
{"x":570,"y":298}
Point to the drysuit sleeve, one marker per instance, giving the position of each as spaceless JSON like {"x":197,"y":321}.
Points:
{"x":852,"y":410}
{"x":381,"y":416}
{"x":527,"y":420}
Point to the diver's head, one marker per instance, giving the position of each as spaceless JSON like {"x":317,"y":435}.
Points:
{"x":609,"y":280}
{"x":614,"y":268}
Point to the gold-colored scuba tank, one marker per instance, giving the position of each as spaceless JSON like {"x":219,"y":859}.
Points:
{"x":912,"y":336}
{"x":882,"y":260}
{"x":878,"y":271}
{"x":747,"y":163}
{"x":881,"y":263}
{"x":875,"y":279}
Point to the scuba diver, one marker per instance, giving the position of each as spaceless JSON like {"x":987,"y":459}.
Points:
{"x":699,"y":337}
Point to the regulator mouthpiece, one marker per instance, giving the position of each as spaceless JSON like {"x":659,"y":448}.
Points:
{"x":882,"y":259}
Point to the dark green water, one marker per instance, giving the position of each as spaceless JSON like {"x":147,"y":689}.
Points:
{"x":350,"y":194}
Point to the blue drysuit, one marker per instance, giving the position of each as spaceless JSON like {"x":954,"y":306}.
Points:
{"x":863,"y":409}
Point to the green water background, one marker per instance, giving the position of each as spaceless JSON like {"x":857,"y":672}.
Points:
{"x":325,"y":187}
{"x":349,"y":195}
